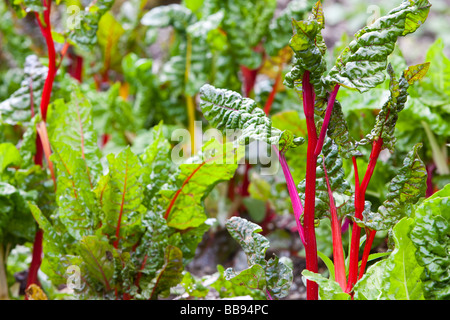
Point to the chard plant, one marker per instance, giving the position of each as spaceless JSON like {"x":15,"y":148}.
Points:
{"x":361,"y":66}
{"x":87,"y":181}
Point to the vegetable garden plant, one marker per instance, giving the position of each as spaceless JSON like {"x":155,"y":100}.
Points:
{"x":90,"y":187}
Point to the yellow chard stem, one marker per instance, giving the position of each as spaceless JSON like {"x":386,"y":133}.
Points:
{"x":190,"y":103}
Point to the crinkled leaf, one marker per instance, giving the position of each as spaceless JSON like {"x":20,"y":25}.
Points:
{"x":279,"y":278}
{"x":76,"y":201}
{"x":156,"y":163}
{"x":17,"y":108}
{"x":387,"y":118}
{"x":406,"y":188}
{"x":149,"y":254}
{"x":430,"y":236}
{"x":252,"y":279}
{"x":228,"y":110}
{"x":272,"y":276}
{"x":277,"y":38}
{"x":174,"y":15}
{"x":309,"y":49}
{"x":338,"y":130}
{"x":97,"y":256}
{"x":72,"y":124}
{"x":247,"y":234}
{"x":84,"y":33}
{"x":246,"y":23}
{"x":362,"y":63}
{"x":168,"y":276}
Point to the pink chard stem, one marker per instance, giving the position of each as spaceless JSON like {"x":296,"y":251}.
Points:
{"x":293,"y":193}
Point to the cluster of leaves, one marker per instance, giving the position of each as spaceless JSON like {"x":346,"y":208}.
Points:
{"x":359,"y":66}
{"x":131,"y":226}
{"x":130,"y":219}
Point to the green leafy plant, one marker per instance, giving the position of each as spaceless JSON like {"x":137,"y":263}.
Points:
{"x":92,"y":95}
{"x":360,"y":66}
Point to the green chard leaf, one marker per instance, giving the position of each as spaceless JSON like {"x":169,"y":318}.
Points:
{"x":228,"y":110}
{"x":338,"y":129}
{"x":155,"y":163}
{"x":246,"y":23}
{"x":72,"y":124}
{"x":168,"y":276}
{"x":152,"y":244}
{"x":120,"y":194}
{"x":387,"y":118}
{"x":9,"y":156}
{"x":430,"y":235}
{"x":277,"y":37}
{"x":175,"y":15}
{"x":404,"y":272}
{"x":77,"y":160}
{"x":397,"y":277}
{"x":16,"y":223}
{"x":362,"y":63}
{"x":199,"y":66}
{"x":328,"y":288}
{"x":309,"y":50}
{"x":272,"y":277}
{"x":247,"y":234}
{"x":74,"y":196}
{"x":97,"y":257}
{"x":405,"y":190}
{"x":17,"y":108}
{"x":84,"y":32}
{"x":252,"y":280}
{"x":57,"y":243}
{"x":195,"y":179}
{"x":108,"y":36}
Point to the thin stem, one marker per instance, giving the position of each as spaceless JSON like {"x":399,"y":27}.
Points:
{"x":272,"y":94}
{"x":190,"y":103}
{"x":367,"y":248}
{"x":41,"y":129}
{"x":45,"y":100}
{"x":36,"y":258}
{"x":48,"y":85}
{"x":293,"y":194}
{"x":312,"y":290}
{"x":359,"y":208}
{"x":326,"y":120}
{"x":338,"y":250}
